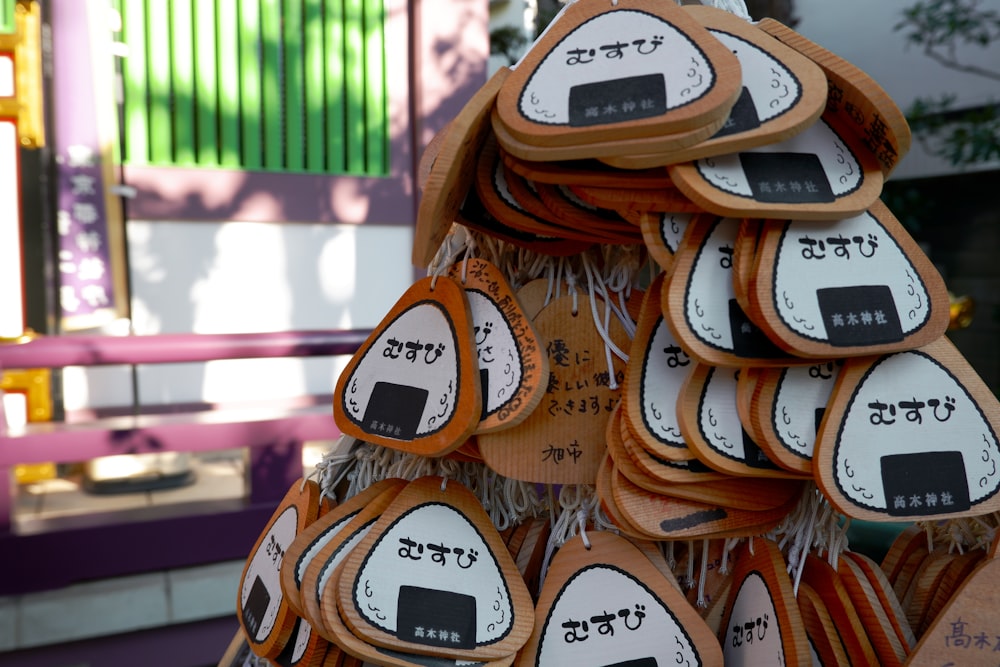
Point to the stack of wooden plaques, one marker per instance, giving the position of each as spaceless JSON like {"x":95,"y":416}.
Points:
{"x":661,"y":280}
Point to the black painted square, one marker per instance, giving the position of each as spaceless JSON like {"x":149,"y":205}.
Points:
{"x":754,"y":456}
{"x":484,"y":383}
{"x":639,"y":662}
{"x":436,"y":618}
{"x":630,"y":98}
{"x":925,"y":483}
{"x":742,"y":117}
{"x":748,"y":339}
{"x":786,"y":178}
{"x":256,"y":606}
{"x":818,"y":418}
{"x":859,"y":315}
{"x":394,"y":410}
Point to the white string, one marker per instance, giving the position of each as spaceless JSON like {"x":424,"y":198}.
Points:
{"x":737,"y":7}
{"x":689,"y":575}
{"x":610,"y":345}
{"x":701,"y":602}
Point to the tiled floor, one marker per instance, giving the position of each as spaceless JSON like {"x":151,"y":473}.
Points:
{"x":125,"y":604}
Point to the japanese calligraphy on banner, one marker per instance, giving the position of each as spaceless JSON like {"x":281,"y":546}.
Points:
{"x":89,"y":221}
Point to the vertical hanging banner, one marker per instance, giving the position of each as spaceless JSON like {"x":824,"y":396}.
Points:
{"x":91,"y":249}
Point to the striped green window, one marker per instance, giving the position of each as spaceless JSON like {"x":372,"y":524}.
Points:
{"x":264,"y":85}
{"x":7,"y":15}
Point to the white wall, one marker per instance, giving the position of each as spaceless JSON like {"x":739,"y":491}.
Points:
{"x":239,"y":277}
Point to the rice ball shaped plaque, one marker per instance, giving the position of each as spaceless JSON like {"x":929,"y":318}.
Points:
{"x":859,"y":285}
{"x":624,"y":70}
{"x":434,"y":577}
{"x":414,"y":384}
{"x":910,"y":436}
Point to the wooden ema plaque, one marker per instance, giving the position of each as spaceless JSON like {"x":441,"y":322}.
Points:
{"x":783,"y":92}
{"x":309,"y":543}
{"x":414,"y":384}
{"x":700,"y":303}
{"x":513,"y":367}
{"x":738,"y":493}
{"x":821,"y":173}
{"x":586,"y":173}
{"x":505,"y":217}
{"x":874,"y":117}
{"x":352,"y":522}
{"x":823,"y":579}
{"x":654,"y":375}
{"x":562,"y":441}
{"x":452,"y":172}
{"x":356,"y":651}
{"x":910,"y":436}
{"x":264,"y":614}
{"x":665,"y":518}
{"x":856,"y":286}
{"x":824,"y":640}
{"x":603,"y":603}
{"x":710,"y":422}
{"x":635,"y":69}
{"x":433,"y":577}
{"x":786,"y":408}
{"x":762,"y":624}
{"x":964,"y":632}
{"x":662,"y":233}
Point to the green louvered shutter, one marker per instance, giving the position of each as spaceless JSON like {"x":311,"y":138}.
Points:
{"x":7,"y":15}
{"x":264,"y":85}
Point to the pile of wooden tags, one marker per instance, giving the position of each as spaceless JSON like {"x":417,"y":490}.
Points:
{"x":670,"y":343}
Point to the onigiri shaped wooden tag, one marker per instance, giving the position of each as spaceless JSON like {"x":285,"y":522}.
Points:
{"x":308,"y":543}
{"x":414,"y":383}
{"x":626,"y":70}
{"x":264,"y":614}
{"x":562,"y":441}
{"x":821,"y":173}
{"x":964,"y":633}
{"x":453,"y":170}
{"x":364,"y":654}
{"x":433,"y":577}
{"x":654,"y":375}
{"x":880,"y":584}
{"x":662,"y":234}
{"x":604,"y":603}
{"x":508,"y":218}
{"x":874,"y":117}
{"x":783,"y":91}
{"x":726,"y":491}
{"x":305,"y":647}
{"x":824,"y":641}
{"x":874,"y":617}
{"x":353,"y":523}
{"x":712,"y":428}
{"x":910,"y":436}
{"x":826,"y":582}
{"x":513,"y":367}
{"x":786,"y":409}
{"x":667,"y":518}
{"x":700,"y":303}
{"x":762,"y":625}
{"x":856,"y":286}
